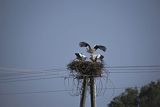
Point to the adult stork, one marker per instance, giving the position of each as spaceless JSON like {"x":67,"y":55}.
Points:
{"x":80,"y":56}
{"x":92,"y":50}
{"x":96,"y":58}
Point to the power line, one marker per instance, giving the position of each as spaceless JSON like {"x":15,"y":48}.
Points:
{"x":112,"y":69}
{"x":19,"y":69}
{"x":64,"y":69}
{"x":28,"y":76}
{"x":29,"y":72}
{"x":55,"y":91}
{"x":59,"y":71}
{"x":133,"y":69}
{"x":34,"y":77}
{"x":26,"y":71}
{"x":133,"y":66}
{"x":137,"y":72}
{"x":10,"y":77}
{"x":42,"y":78}
{"x":35,"y":92}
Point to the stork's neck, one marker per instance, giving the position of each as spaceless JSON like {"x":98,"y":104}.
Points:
{"x":90,"y":50}
{"x":94,"y":54}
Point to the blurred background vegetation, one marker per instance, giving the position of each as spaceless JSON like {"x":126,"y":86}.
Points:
{"x":147,"y":96}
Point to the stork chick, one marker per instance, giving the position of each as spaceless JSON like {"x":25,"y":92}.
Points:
{"x":96,"y":58}
{"x":80,"y":56}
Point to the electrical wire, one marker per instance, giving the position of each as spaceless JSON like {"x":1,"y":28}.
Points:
{"x":27,"y":75}
{"x":54,"y":73}
{"x":58,"y":71}
{"x":55,"y":91}
{"x":34,"y":92}
{"x":136,"y":72}
{"x":64,"y":69}
{"x":30,"y":79}
{"x":133,"y":66}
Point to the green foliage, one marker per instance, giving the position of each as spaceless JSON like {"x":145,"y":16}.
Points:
{"x":148,"y":96}
{"x":126,"y":99}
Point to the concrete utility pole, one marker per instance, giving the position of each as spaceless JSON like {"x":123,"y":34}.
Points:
{"x":84,"y":91}
{"x":92,"y":68}
{"x":92,"y":92}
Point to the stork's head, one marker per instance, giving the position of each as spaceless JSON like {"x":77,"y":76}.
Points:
{"x":80,"y":56}
{"x":87,"y":49}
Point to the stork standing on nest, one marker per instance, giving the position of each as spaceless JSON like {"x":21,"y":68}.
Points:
{"x":80,"y":56}
{"x":94,"y":57}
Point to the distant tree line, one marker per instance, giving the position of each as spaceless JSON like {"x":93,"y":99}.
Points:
{"x":147,"y":96}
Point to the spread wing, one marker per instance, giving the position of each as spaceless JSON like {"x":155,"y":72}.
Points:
{"x":83,"y":44}
{"x":103,"y":48}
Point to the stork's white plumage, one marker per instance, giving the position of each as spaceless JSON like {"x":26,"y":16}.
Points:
{"x":80,"y":56}
{"x":99,"y":57}
{"x":92,"y":50}
{"x":96,"y":58}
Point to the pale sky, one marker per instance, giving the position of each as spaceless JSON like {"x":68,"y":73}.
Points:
{"x":36,"y":34}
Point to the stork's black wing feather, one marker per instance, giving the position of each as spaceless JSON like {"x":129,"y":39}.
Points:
{"x":83,"y":44}
{"x":101,"y":57}
{"x":103,"y":48}
{"x":77,"y":54}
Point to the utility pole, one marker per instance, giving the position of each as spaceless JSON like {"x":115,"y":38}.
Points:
{"x":93,"y":67}
{"x":92,"y":92}
{"x":84,"y":91}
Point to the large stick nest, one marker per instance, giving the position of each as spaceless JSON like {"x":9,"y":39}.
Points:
{"x":86,"y":68}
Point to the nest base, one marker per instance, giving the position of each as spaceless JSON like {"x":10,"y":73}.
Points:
{"x":86,"y":68}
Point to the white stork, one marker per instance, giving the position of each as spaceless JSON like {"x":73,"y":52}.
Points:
{"x":92,"y":50}
{"x":96,"y":58}
{"x":80,"y":56}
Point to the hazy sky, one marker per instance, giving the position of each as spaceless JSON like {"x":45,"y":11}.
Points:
{"x":37,"y":34}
